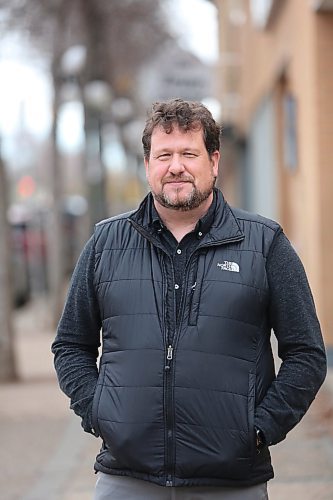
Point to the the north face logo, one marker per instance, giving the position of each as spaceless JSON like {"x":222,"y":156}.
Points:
{"x":228,"y":266}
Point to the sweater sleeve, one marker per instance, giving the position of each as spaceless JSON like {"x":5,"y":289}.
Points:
{"x":300,"y":344}
{"x":75,"y":347}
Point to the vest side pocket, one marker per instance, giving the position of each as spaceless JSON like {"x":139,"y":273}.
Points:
{"x":96,"y":401}
{"x":251,"y":405}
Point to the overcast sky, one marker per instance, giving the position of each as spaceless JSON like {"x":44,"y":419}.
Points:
{"x":196,"y":22}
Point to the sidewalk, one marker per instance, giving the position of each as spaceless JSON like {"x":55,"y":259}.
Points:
{"x":45,"y":455}
{"x":303,"y":463}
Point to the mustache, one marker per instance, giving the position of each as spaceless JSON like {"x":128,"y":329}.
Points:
{"x":166,"y":180}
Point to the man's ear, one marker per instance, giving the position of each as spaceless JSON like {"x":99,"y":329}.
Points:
{"x":215,"y":158}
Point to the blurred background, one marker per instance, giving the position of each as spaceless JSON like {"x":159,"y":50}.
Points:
{"x":76,"y":79}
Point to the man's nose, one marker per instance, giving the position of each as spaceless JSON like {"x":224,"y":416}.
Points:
{"x":176,"y":165}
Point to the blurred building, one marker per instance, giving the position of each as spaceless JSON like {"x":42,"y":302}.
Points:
{"x":275,"y":78}
{"x":175,"y":72}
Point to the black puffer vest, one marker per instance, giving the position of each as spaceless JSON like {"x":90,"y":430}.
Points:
{"x":177,"y":407}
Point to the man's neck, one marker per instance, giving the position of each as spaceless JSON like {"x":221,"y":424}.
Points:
{"x":180,"y":222}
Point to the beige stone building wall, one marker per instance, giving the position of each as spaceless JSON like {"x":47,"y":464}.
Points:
{"x":324,"y":139}
{"x":293,"y":55}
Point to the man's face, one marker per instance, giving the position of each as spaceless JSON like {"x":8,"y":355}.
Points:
{"x":180,"y":172}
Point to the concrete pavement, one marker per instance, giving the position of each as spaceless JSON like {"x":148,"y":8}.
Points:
{"x":45,"y":455}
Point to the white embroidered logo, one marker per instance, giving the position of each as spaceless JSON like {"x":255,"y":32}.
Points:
{"x":228,"y":266}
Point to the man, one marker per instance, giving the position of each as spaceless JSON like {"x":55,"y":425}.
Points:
{"x":186,"y":291}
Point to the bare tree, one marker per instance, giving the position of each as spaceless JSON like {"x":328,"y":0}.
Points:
{"x":7,"y":359}
{"x":119,"y":35}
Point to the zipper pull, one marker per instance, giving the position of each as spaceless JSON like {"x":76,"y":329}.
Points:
{"x":169,"y":481}
{"x":169,"y":358}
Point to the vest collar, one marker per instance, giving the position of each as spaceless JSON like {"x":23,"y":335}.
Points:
{"x":224,"y":228}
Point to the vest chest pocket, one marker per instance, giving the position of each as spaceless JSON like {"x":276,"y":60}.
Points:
{"x":196,"y":288}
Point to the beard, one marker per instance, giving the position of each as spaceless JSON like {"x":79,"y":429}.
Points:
{"x":181,"y":202}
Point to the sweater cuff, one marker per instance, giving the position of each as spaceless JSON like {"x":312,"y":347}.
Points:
{"x":272,"y":433}
{"x":86,"y":421}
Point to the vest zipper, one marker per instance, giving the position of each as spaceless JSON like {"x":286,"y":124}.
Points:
{"x":169,"y":417}
{"x":169,"y":403}
{"x":168,"y":397}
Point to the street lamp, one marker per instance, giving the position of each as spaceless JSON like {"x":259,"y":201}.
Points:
{"x":97,"y":98}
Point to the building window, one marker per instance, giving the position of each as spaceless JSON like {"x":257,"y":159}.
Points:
{"x":260,"y":12}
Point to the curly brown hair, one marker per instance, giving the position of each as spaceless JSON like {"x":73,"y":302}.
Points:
{"x":187,"y":115}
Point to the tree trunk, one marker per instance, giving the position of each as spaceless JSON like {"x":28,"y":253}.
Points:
{"x":56,"y":264}
{"x":7,"y":357}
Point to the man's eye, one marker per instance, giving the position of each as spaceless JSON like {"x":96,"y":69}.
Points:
{"x":188,"y":154}
{"x":164,"y":156}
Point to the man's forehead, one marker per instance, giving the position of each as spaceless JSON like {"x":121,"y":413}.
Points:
{"x":161,"y":132}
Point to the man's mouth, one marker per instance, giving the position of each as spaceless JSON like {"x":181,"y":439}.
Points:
{"x":178,"y":181}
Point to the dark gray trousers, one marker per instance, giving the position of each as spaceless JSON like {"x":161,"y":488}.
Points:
{"x":125,"y":488}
